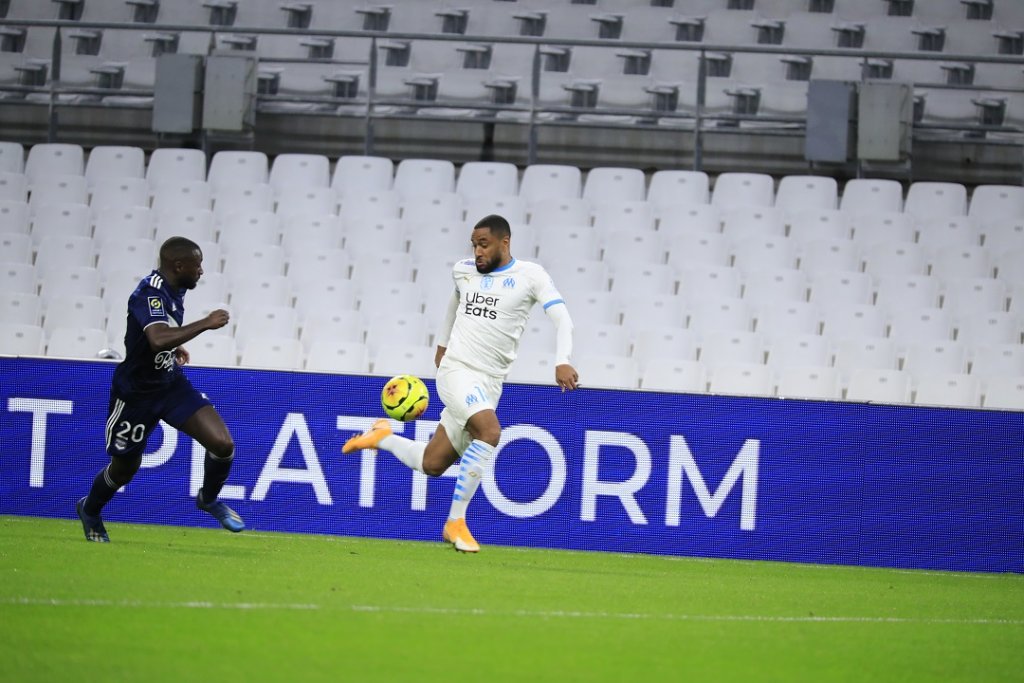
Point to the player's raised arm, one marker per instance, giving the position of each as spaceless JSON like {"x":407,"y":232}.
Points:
{"x":163,"y":337}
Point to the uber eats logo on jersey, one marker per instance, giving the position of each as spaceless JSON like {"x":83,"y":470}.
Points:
{"x":481,"y":305}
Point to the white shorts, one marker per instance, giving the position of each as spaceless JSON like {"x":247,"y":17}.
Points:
{"x":465,"y":393}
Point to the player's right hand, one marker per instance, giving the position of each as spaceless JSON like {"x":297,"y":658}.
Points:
{"x":217,"y":319}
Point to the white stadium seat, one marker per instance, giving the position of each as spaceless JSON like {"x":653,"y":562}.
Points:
{"x":547,"y":181}
{"x":49,"y":159}
{"x":745,"y":379}
{"x":679,"y":218}
{"x":331,"y":356}
{"x":354,"y":175}
{"x":669,"y":374}
{"x":826,"y":257}
{"x":16,"y":276}
{"x":187,"y":194}
{"x":879,"y":195}
{"x":270,"y":353}
{"x":77,"y":281}
{"x":878,"y":227}
{"x":897,"y":293}
{"x":61,"y":220}
{"x":743,"y":189}
{"x":607,"y":371}
{"x":931,"y":200}
{"x":997,"y":360}
{"x":991,"y":203}
{"x":76,"y":342}
{"x":604,"y":184}
{"x":12,"y":157}
{"x":75,"y":311}
{"x":213,"y":350}
{"x":13,"y":187}
{"x":299,"y":170}
{"x":1005,"y":393}
{"x":822,"y":224}
{"x":809,"y":382}
{"x":922,"y":359}
{"x":872,"y":385}
{"x":58,"y":251}
{"x":111,"y":161}
{"x":802,"y":193}
{"x":720,"y":347}
{"x":20,"y":308}
{"x":118,"y":193}
{"x":19,"y":339}
{"x":948,"y":389}
{"x":169,"y":166}
{"x":15,"y":248}
{"x":230,"y":167}
{"x":669,"y":187}
{"x":424,"y":177}
{"x":487,"y":179}
{"x":399,"y":358}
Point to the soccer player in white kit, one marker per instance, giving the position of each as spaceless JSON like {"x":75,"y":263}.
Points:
{"x":490,"y":304}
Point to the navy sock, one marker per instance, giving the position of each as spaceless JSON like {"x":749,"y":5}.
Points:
{"x":215,"y":473}
{"x":100,"y":494}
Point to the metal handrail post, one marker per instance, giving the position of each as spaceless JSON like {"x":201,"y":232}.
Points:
{"x":698,"y":137}
{"x":531,"y":144}
{"x":371,"y":92}
{"x":55,"y":59}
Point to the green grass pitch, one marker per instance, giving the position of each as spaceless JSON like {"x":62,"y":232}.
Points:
{"x":176,"y":604}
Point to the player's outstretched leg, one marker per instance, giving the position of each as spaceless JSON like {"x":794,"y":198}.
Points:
{"x":370,"y":438}
{"x":92,"y":525}
{"x":227,"y":517}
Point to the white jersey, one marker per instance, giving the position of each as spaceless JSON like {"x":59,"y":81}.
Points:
{"x":492,"y":312}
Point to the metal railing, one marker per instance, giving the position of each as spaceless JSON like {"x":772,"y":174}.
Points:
{"x":534,"y":108}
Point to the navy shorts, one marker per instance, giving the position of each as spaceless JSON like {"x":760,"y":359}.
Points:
{"x":131,"y":418}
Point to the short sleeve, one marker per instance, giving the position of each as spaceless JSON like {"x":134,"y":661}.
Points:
{"x":149,"y":306}
{"x":545,"y":290}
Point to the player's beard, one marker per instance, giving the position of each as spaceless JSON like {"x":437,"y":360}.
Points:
{"x":489,"y":265}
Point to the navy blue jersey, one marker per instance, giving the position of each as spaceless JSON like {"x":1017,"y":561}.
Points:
{"x":144,"y":369}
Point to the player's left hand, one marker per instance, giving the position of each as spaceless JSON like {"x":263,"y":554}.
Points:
{"x":181,"y":355}
{"x":566,"y":377}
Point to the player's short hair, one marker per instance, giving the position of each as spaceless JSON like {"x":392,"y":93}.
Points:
{"x":178,"y":248}
{"x":498,"y":226}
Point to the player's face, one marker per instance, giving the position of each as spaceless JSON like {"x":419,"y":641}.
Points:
{"x":489,"y":251}
{"x":190,"y":270}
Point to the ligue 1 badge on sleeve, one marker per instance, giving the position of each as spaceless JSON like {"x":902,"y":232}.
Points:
{"x":156,"y":307}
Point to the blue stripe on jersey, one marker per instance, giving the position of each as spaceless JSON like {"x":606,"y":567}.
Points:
{"x":504,"y":267}
{"x":553,"y":302}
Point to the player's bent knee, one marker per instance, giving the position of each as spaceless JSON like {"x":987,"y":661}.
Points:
{"x":222,"y":448}
{"x":490,"y":435}
{"x":434,"y":470}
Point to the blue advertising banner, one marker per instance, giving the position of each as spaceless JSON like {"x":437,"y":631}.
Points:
{"x":695,"y":475}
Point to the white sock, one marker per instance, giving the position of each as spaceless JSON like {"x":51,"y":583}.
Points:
{"x":408,"y":451}
{"x":472,"y":467}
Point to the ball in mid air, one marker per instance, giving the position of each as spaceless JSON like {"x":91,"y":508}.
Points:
{"x":404,"y":397}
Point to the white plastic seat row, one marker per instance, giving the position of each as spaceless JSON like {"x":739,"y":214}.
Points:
{"x":924,"y":200}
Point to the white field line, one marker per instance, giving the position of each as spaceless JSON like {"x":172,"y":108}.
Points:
{"x":530,"y":614}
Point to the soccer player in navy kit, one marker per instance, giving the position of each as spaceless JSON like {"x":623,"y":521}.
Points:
{"x":149,"y":386}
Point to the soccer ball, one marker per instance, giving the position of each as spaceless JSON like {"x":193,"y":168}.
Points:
{"x":404,"y":397}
